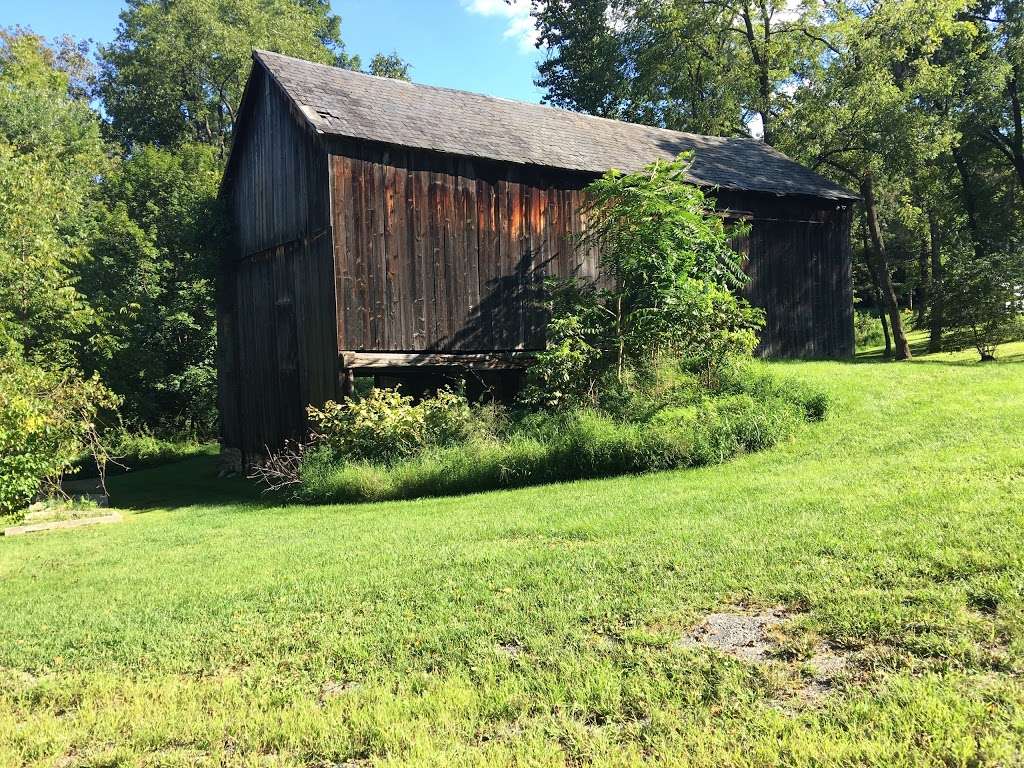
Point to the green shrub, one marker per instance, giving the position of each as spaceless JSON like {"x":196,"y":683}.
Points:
{"x":47,"y":421}
{"x":385,"y":425}
{"x":131,"y":451}
{"x":385,"y":446}
{"x":552,"y":447}
{"x":751,"y":377}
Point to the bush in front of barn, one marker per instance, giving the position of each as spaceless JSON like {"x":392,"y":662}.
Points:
{"x":668,"y":421}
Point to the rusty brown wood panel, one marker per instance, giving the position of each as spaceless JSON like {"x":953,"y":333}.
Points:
{"x":342,"y":221}
{"x":435,"y":239}
{"x":360,"y":252}
{"x":487,"y":254}
{"x":421,"y":255}
{"x":467,"y":335}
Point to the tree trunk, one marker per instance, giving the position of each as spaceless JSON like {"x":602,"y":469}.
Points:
{"x":923,"y":285}
{"x":902,"y":347}
{"x":876,"y":291}
{"x":936,"y":288}
{"x":879,"y":306}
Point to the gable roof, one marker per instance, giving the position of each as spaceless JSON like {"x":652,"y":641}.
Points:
{"x":341,"y":102}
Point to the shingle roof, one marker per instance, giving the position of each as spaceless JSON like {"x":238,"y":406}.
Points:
{"x":346,"y":103}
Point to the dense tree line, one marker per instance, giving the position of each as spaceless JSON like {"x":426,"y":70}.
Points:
{"x":914,"y":104}
{"x":110,"y":160}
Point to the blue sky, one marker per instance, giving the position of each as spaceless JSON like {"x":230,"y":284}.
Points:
{"x":476,"y":45}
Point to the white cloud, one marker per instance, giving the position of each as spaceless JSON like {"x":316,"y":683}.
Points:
{"x":519,"y":25}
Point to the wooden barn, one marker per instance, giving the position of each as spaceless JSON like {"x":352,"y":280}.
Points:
{"x":387,"y":228}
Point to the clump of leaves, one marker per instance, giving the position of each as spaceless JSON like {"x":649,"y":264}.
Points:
{"x":668,"y":286}
{"x":386,"y":425}
{"x":47,"y":422}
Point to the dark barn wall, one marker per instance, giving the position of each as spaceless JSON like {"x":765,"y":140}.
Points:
{"x":276,"y":317}
{"x":440,"y":253}
{"x":800,"y":268}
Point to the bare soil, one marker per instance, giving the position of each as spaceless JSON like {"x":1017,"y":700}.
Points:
{"x":750,"y":635}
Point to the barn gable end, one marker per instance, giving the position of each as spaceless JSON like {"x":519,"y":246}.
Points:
{"x":276,"y":333}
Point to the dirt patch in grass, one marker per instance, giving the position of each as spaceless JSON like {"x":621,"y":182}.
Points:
{"x":753,"y":636}
{"x":745,"y":635}
{"x":511,"y":649}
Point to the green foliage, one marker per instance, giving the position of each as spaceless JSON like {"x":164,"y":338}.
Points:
{"x":667,"y":288}
{"x":151,"y":280}
{"x":390,"y":65}
{"x":688,"y":65}
{"x":132,"y":451}
{"x":867,"y":330}
{"x":386,"y":425}
{"x":382,"y":448}
{"x":557,"y":447}
{"x":750,"y":378}
{"x":175,"y":72}
{"x":47,"y":421}
{"x":50,"y":153}
{"x":984,"y":300}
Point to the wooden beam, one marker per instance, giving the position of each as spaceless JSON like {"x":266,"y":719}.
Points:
{"x":474,"y":360}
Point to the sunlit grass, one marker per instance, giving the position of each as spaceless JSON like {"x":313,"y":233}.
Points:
{"x":214,"y":628}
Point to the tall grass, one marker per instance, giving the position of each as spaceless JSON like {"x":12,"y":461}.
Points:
{"x":545,"y":448}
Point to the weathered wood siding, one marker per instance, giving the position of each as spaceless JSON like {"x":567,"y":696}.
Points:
{"x":439,"y":253}
{"x":800,"y":268}
{"x":278,"y":346}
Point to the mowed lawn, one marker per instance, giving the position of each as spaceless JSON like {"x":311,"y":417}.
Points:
{"x":542,"y":627}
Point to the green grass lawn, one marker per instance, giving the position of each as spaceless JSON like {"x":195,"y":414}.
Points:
{"x":541,"y":626}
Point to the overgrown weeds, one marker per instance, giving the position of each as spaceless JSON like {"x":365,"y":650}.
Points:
{"x":384,"y":447}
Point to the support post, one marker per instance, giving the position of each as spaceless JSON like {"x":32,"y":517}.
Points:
{"x":347,"y":383}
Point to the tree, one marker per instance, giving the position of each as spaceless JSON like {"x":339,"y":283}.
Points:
{"x":985,"y":302}
{"x":995,"y":84}
{"x":668,"y":286}
{"x":151,"y":281}
{"x":176,"y":70}
{"x":390,"y":65}
{"x":859,"y":115}
{"x":711,"y":66}
{"x":50,"y":154}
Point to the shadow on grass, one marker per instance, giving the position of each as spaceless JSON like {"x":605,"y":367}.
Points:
{"x":921,"y":355}
{"x":188,"y":483}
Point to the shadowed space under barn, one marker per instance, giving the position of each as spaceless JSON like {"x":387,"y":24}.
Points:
{"x":390,"y":228}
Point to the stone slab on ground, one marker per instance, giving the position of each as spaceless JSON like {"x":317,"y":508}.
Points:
{"x":57,"y":525}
